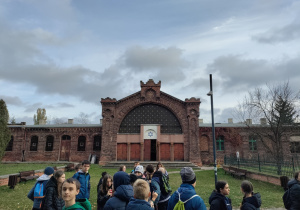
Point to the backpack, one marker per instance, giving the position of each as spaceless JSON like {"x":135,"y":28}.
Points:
{"x":39,"y":190}
{"x":286,"y":199}
{"x":166,"y":189}
{"x":180,"y":204}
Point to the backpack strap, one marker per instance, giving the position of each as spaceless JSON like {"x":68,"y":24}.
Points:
{"x":187,"y":199}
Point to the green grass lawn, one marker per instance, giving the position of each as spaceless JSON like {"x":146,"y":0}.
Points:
{"x":271,"y":194}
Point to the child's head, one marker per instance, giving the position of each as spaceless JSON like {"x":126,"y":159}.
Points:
{"x":70,"y":188}
{"x":78,"y":167}
{"x":159,"y":165}
{"x":141,"y":190}
{"x":122,"y":168}
{"x":222,"y":187}
{"x":107,"y":182}
{"x":60,"y":176}
{"x":246,"y":187}
{"x":163,"y":170}
{"x":139,"y":170}
{"x":85,"y":166}
{"x":136,"y":164}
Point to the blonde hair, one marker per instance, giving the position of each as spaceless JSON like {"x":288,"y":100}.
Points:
{"x":141,"y":189}
{"x":163,"y":170}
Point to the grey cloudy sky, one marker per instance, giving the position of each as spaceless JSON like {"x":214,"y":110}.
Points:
{"x":65,"y":55}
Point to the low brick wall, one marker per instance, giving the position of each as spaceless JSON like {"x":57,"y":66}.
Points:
{"x":4,"y":178}
{"x":260,"y":176}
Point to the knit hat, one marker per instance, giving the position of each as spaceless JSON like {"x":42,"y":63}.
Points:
{"x":139,"y":168}
{"x":121,"y":178}
{"x":188,"y":175}
{"x":49,"y":170}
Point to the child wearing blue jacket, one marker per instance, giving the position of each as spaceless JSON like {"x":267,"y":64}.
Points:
{"x":84,"y":177}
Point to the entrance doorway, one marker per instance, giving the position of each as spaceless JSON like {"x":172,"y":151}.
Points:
{"x":150,"y":149}
{"x":65,"y":148}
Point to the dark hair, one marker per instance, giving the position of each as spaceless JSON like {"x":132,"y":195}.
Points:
{"x":58,"y":174}
{"x":150,"y":168}
{"x":247,"y":187}
{"x":297,"y":174}
{"x":133,"y":178}
{"x":103,"y":173}
{"x":103,"y":186}
{"x":121,"y":167}
{"x":159,"y":163}
{"x":77,"y":167}
{"x":73,"y":181}
{"x":86,"y":162}
{"x":220,"y":185}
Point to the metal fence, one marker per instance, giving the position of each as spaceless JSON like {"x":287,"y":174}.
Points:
{"x":286,"y":167}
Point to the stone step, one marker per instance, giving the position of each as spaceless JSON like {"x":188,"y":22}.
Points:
{"x":166,"y":164}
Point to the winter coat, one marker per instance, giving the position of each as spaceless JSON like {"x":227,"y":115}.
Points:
{"x":120,"y":198}
{"x":186,"y":191}
{"x":294,"y":187}
{"x":135,"y":204}
{"x":102,"y":198}
{"x":81,"y":204}
{"x":85,"y":185}
{"x":164,"y":196}
{"x":217,"y":201}
{"x":155,"y":187}
{"x":251,"y":203}
{"x":51,"y":200}
{"x":37,"y":201}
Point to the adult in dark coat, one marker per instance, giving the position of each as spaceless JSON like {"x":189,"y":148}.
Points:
{"x":123,"y":192}
{"x":294,"y":186}
{"x":218,"y":199}
{"x":251,"y":201}
{"x":53,"y":199}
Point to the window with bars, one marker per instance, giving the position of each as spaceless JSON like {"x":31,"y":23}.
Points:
{"x":10,"y":144}
{"x":81,"y":143}
{"x":252,"y":143}
{"x":97,"y":143}
{"x":220,"y":143}
{"x":150,"y":114}
{"x":34,"y":143}
{"x":49,"y":143}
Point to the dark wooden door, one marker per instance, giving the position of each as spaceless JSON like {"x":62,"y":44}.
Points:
{"x":135,"y":152}
{"x":122,"y":152}
{"x":165,"y":152}
{"x":147,"y":149}
{"x":65,"y":150}
{"x":178,"y":152}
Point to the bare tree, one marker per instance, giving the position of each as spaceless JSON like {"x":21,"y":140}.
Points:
{"x":82,"y":118}
{"x":277,"y":105}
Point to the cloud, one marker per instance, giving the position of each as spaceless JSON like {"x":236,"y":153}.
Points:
{"x":12,"y":100}
{"x":238,"y":74}
{"x":286,"y":33}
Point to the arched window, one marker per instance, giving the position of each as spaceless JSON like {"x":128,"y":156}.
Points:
{"x":81,"y":143}
{"x":150,"y":114}
{"x":10,"y":144}
{"x":49,"y":143}
{"x":220,"y":143}
{"x":34,"y":143}
{"x":97,"y":143}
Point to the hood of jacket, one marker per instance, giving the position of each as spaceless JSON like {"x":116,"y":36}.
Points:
{"x":44,"y":177}
{"x":216,"y":195}
{"x":120,"y":178}
{"x":255,"y":200}
{"x":138,"y":204}
{"x":292,"y":182}
{"x":124,"y":192}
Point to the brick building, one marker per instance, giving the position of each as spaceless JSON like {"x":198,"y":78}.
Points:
{"x":147,"y":125}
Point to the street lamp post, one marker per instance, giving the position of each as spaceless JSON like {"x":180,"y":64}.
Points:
{"x":210,"y":93}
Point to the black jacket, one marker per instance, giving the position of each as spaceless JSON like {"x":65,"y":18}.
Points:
{"x":102,"y":197}
{"x":217,"y":201}
{"x":294,"y":187}
{"x":51,"y":200}
{"x":251,"y":203}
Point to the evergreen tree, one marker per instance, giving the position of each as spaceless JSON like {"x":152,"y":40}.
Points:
{"x":284,"y":112}
{"x":40,"y":115}
{"x":4,"y":130}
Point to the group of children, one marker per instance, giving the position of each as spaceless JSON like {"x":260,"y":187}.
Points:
{"x":140,"y":189}
{"x":53,"y":191}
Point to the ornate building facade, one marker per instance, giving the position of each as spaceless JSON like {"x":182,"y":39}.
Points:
{"x":149,"y":125}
